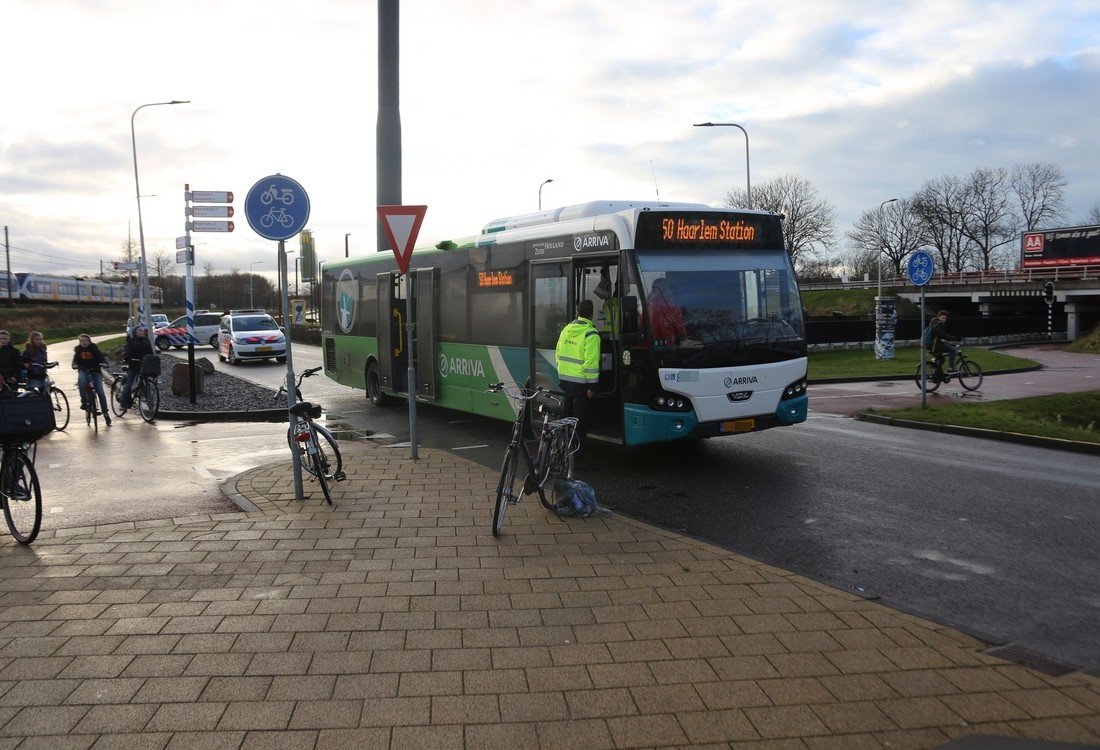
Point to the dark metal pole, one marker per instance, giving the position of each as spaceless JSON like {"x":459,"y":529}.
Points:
{"x":7,"y":254}
{"x":388,"y":133}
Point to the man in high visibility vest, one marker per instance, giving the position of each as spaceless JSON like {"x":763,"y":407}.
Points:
{"x":578,"y":359}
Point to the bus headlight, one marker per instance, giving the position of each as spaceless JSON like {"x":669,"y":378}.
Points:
{"x":795,"y":389}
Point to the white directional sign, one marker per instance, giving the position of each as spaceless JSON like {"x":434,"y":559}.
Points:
{"x":212,"y":212}
{"x":210,"y":196}
{"x":181,"y":242}
{"x":129,"y":266}
{"x":210,"y":226}
{"x":183,"y":256}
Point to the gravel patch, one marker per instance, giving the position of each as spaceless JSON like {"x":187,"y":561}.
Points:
{"x":220,"y":392}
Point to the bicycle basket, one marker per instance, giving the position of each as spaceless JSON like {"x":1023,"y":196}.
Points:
{"x":26,"y":419}
{"x":150,"y":366}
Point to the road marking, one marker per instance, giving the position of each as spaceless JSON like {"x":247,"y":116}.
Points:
{"x":57,"y":509}
{"x":469,"y":447}
{"x":53,"y":466}
{"x":203,"y":472}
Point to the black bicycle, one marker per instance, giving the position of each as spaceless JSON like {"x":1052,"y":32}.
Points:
{"x":144,"y":395}
{"x":26,"y":418}
{"x":967,"y":371}
{"x":553,"y":459}
{"x":318,"y":454}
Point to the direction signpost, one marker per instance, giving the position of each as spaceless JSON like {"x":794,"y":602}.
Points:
{"x":402,"y":224}
{"x":186,"y":255}
{"x":920,"y":269}
{"x":277,"y":208}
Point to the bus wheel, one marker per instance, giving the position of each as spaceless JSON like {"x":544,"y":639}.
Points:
{"x":374,"y":387}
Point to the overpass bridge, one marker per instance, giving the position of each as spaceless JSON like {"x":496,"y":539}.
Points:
{"x":1075,"y":308}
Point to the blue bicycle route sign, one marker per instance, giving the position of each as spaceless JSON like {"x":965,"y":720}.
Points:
{"x":921,"y":267}
{"x":277,"y":207}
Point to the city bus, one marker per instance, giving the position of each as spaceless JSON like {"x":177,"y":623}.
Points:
{"x":698,"y":310}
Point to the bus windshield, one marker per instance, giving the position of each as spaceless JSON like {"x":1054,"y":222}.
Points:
{"x":708,"y":304}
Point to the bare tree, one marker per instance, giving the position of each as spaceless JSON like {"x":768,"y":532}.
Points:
{"x":892,"y":229}
{"x":809,"y":223}
{"x":939,"y":204}
{"x":1094,"y":215}
{"x":988,"y":219}
{"x":164,"y":265}
{"x":1039,"y":189}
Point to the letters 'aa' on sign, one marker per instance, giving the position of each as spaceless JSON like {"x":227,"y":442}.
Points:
{"x":402,"y":224}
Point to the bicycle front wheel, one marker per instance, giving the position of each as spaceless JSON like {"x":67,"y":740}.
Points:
{"x":21,"y":496}
{"x":970,"y":375}
{"x":116,"y":397}
{"x":60,"y":407}
{"x":149,"y":403}
{"x":506,"y":488}
{"x":930,"y":383}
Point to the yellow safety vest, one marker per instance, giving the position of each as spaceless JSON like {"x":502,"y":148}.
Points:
{"x":578,"y":353}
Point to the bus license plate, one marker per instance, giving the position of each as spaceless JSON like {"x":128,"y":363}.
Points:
{"x":263,"y":348}
{"x":738,"y":425}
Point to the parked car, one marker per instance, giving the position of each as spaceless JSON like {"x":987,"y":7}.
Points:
{"x":160,"y":320}
{"x":174,"y":334}
{"x":250,"y":334}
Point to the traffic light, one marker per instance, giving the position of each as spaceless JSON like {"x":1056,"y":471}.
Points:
{"x":1048,"y":292}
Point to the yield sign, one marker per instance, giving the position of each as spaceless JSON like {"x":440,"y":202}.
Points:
{"x":402,"y":224}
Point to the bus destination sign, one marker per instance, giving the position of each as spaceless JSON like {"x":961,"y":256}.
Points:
{"x":702,"y":229}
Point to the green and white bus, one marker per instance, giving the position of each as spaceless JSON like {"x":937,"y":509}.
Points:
{"x":698,"y":308}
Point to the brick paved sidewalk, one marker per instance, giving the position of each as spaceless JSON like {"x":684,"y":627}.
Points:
{"x":396,"y":619}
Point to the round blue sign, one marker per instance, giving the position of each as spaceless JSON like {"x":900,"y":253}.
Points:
{"x":921,"y":267}
{"x":277,"y":207}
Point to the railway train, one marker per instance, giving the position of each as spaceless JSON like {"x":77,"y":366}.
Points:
{"x":37,"y":287}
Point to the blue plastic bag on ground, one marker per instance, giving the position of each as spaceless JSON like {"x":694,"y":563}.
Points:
{"x":576,"y":499}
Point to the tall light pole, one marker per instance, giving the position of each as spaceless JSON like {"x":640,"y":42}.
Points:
{"x":143,"y":273}
{"x":540,"y":192}
{"x":748,"y":181}
{"x":346,"y":235}
{"x":251,"y":298}
{"x":891,"y":200}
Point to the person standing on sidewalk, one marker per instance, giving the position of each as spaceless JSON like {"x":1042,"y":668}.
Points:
{"x":578,"y":360}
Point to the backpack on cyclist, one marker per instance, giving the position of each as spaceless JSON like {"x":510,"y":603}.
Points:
{"x":576,"y":499}
{"x":928,"y":337}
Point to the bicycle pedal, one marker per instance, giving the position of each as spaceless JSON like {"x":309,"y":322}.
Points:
{"x":339,"y":476}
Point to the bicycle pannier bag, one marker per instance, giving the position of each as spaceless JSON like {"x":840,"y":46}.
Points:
{"x":26,"y":418}
{"x":150,"y":366}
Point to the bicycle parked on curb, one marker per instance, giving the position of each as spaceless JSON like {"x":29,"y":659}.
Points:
{"x":553,"y":460}
{"x":318,"y":454}
{"x":144,"y":394}
{"x":968,"y":372}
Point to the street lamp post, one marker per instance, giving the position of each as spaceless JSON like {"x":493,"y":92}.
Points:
{"x":890,"y":200}
{"x":748,"y":181}
{"x":251,"y":298}
{"x":540,"y":192}
{"x":143,"y":274}
{"x":348,"y":234}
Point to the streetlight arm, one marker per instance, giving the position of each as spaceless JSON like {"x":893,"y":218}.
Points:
{"x":748,"y":179}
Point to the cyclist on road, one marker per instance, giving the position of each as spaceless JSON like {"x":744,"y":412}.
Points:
{"x":578,"y":360}
{"x":87,"y":361}
{"x":11,"y":361}
{"x":35,"y":360}
{"x":943,"y":342}
{"x":137,"y":348}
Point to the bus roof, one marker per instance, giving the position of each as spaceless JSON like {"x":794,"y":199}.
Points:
{"x":581,"y":211}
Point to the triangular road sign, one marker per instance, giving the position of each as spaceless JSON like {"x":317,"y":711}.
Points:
{"x":402,"y":224}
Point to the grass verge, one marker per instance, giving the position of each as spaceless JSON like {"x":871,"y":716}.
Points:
{"x":1070,"y":416}
{"x":856,"y":364}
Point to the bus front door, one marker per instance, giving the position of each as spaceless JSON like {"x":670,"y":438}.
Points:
{"x":392,"y":347}
{"x":551,"y":311}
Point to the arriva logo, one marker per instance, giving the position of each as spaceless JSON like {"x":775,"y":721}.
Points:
{"x":347,"y":292}
{"x":590,"y":241}
{"x":460,"y":366}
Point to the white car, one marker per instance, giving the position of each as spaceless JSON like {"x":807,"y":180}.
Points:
{"x":250,"y":334}
{"x":160,"y":320}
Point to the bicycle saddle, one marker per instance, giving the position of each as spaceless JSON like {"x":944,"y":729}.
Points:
{"x":303,"y":408}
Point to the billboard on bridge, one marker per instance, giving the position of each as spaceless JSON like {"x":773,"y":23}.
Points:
{"x":1051,"y":248}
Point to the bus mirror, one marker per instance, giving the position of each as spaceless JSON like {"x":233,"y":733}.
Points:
{"x":630,"y":315}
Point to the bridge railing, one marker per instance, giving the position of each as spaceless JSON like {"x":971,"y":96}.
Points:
{"x":1022,"y":276}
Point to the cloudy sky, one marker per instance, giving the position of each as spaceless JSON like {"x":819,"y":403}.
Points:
{"x":864,"y":99}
